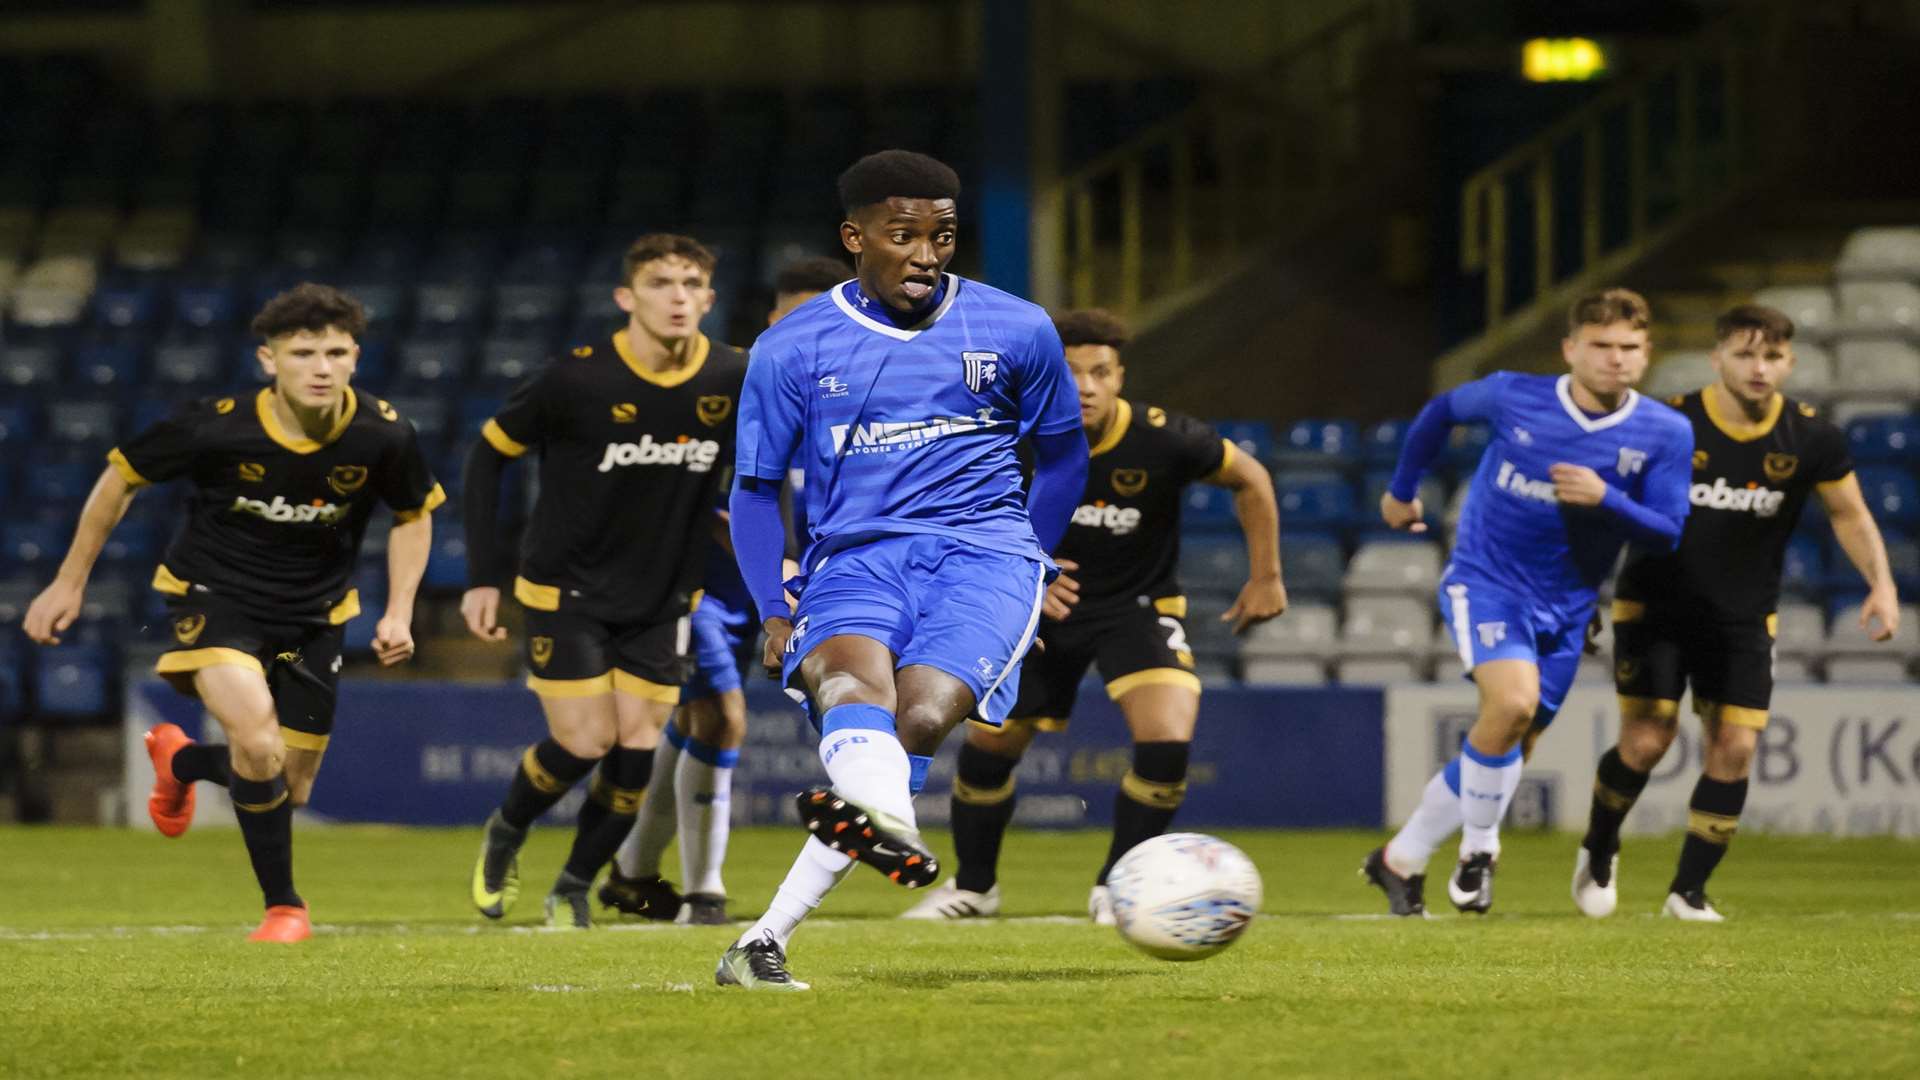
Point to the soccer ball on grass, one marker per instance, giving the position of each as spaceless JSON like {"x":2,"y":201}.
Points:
{"x":1183,"y":896}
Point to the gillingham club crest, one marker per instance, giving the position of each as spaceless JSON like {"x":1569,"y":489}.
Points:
{"x":982,"y":368}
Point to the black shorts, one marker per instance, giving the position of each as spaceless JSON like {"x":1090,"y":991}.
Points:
{"x":1659,"y":653}
{"x":1135,"y":647}
{"x":299,"y":660}
{"x":573,"y":655}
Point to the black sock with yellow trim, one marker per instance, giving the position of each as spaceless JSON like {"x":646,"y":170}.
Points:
{"x":546,"y":772}
{"x":607,"y":816}
{"x":983,"y":800}
{"x":266,"y":824}
{"x":198,"y":761}
{"x":1149,"y":795}
{"x":1615,"y":789}
{"x":1712,"y":816}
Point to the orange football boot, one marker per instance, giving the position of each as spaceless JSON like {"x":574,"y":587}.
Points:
{"x":171,"y":804}
{"x":283,"y":923}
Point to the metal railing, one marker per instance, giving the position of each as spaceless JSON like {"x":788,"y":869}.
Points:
{"x":1603,"y":187}
{"x":1183,"y":204}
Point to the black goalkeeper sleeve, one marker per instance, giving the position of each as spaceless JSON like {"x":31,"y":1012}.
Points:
{"x":489,"y":561}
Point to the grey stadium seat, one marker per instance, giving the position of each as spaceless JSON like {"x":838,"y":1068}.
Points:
{"x":1812,"y":378}
{"x":1802,"y":631}
{"x":1380,"y":670}
{"x":1307,"y":630}
{"x":1809,"y":306}
{"x":1394,"y":567}
{"x":1879,"y":307}
{"x":1877,"y":369}
{"x":1880,"y":254}
{"x":1386,"y":626}
{"x":1680,"y":373}
{"x":1853,"y":658}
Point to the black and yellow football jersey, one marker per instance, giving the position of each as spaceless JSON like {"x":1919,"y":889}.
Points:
{"x":1750,"y":483}
{"x":1126,"y":531}
{"x":276,"y":518}
{"x":630,"y":467}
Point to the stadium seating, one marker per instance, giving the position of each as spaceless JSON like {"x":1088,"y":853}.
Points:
{"x":1678,"y":373}
{"x":1880,"y":254}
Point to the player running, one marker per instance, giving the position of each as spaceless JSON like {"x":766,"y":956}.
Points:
{"x":634,"y":435}
{"x":901,"y":395}
{"x":1121,"y":608}
{"x":1704,"y":614}
{"x":694,"y":765}
{"x":1578,"y":464}
{"x":257,"y":581}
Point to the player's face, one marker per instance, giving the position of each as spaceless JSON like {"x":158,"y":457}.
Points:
{"x":785,"y":302}
{"x":311,"y":369}
{"x":1606,"y":359}
{"x":901,"y":246}
{"x":1099,"y":375}
{"x":667,"y":297}
{"x":1751,"y":367}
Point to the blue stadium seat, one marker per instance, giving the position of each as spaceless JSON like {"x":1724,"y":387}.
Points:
{"x":29,"y":365}
{"x":1315,"y":499}
{"x":18,"y":425}
{"x":385,"y":301}
{"x":1433,"y":493}
{"x":429,"y":416}
{"x":35,"y":544}
{"x":133,"y":306}
{"x":1313,"y":564}
{"x":1804,"y":567}
{"x":74,"y":680}
{"x":447,"y":565}
{"x":1252,"y":436}
{"x":475,"y":411}
{"x":1206,"y":508}
{"x":207,"y":307}
{"x":1873,"y":439}
{"x":1331,"y":444}
{"x":505,"y":361}
{"x":433,"y":361}
{"x":183,"y":365}
{"x":83,"y":421}
{"x":1381,"y":442}
{"x":113,"y":364}
{"x":1891,"y":494}
{"x":374,"y":370}
{"x":59,"y":481}
{"x":1213,"y":563}
{"x":13,"y":676}
{"x":529,"y":303}
{"x":447,"y":304}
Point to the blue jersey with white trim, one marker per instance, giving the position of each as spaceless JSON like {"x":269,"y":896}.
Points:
{"x":907,"y":430}
{"x":1513,"y":532}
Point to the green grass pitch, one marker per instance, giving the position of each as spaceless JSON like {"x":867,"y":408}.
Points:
{"x":123,"y":955}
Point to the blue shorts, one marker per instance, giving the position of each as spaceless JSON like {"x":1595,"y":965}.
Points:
{"x":724,"y":635}
{"x":1489,"y":622}
{"x":930,"y":600}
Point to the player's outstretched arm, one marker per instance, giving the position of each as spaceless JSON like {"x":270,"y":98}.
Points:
{"x":59,"y":603}
{"x":1400,"y":505}
{"x":1859,"y":537}
{"x":486,"y":556}
{"x":1059,"y":476}
{"x":1264,"y":595}
{"x":408,"y":544}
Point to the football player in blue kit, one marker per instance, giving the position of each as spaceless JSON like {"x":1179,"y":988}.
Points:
{"x":901,"y":395}
{"x":1578,"y":465}
{"x":692,"y":793}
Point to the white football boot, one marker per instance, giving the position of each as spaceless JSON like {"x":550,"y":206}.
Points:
{"x":1692,"y":907}
{"x":950,"y":901}
{"x":1100,"y":906}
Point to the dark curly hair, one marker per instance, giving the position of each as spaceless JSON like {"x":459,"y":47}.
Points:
{"x":1092,"y":326}
{"x":310,"y":307}
{"x":892,"y":174}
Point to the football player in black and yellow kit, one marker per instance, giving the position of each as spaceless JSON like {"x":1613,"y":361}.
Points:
{"x":1703,"y":615}
{"x":634,"y":434}
{"x":1117,"y":605}
{"x":284,"y":482}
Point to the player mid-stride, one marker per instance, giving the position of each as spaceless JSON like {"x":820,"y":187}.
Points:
{"x":1578,"y":464}
{"x":902,"y":395}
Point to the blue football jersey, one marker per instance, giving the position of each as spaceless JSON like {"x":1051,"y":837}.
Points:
{"x":1513,"y":532}
{"x":907,"y":430}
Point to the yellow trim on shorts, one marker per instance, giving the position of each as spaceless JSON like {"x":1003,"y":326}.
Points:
{"x":1159,"y":676}
{"x":1629,"y":611}
{"x":125,"y":468}
{"x":1649,"y":708}
{"x":1737,"y":715}
{"x":572,"y":688}
{"x":348,"y":608}
{"x":1175,"y":606}
{"x":693,"y":605}
{"x":632,"y":685}
{"x":164,"y":581}
{"x":185,"y":661}
{"x":434,"y":498}
{"x":1773,"y":624}
{"x":303,"y":740}
{"x":498,"y":438}
{"x":536,"y":597}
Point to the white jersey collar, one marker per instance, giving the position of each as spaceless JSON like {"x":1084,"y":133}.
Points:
{"x":1564,"y":388}
{"x":887,"y":328}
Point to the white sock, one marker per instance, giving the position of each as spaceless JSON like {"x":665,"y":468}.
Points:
{"x":818,"y":869}
{"x":646,"y":842}
{"x":867,"y":764}
{"x":703,"y":791}
{"x":1487,"y":785}
{"x":1435,"y":819}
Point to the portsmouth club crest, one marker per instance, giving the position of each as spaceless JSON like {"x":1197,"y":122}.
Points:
{"x":347,"y":479}
{"x":186,"y":630}
{"x":1129,"y":482}
{"x":541,"y":647}
{"x":982,"y":369}
{"x":713,"y":408}
{"x":1779,"y":467}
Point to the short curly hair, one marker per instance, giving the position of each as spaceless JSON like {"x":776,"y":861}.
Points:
{"x":312,"y":308}
{"x":892,"y":174}
{"x":1092,"y":326}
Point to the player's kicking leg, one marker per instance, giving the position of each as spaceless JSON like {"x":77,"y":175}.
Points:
{"x":613,"y":799}
{"x":982,"y":806}
{"x":1160,"y":705}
